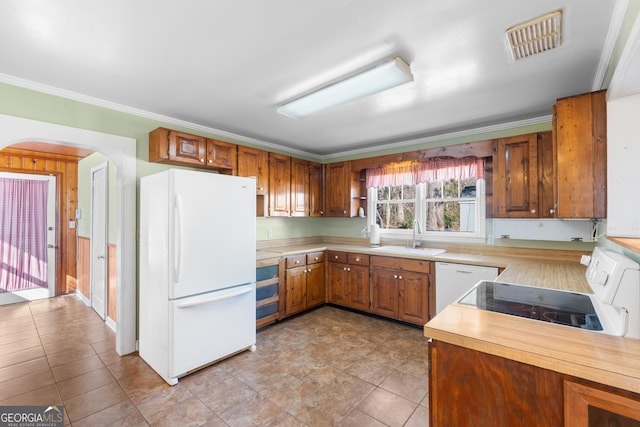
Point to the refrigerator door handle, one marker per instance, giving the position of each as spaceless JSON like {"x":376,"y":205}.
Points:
{"x":217,"y":296}
{"x":178,"y":238}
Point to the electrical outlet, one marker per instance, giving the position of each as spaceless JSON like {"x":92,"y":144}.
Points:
{"x":269,"y":234}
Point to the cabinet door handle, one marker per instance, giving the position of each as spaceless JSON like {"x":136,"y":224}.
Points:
{"x":316,"y":258}
{"x":400,"y":277}
{"x":348,"y":269}
{"x":395,"y":276}
{"x":210,"y":161}
{"x":336,"y":256}
{"x":533,"y":211}
{"x":201,"y":160}
{"x":297,"y":261}
{"x":357,"y":259}
{"x":344,"y":268}
{"x":345,"y":212}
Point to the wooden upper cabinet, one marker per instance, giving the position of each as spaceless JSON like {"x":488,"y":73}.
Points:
{"x":547,"y":207}
{"x":299,"y":187}
{"x":222,"y":155}
{"x":183,"y":149}
{"x":173,"y":147}
{"x":338,"y":181}
{"x":316,"y":189}
{"x":254,"y":162}
{"x":581,"y":155}
{"x":279,"y":184}
{"x":515,"y":175}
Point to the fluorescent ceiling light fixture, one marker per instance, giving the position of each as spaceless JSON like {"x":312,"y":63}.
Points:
{"x":371,"y":81}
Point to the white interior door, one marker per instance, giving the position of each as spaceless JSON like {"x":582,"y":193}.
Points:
{"x":99,"y":209}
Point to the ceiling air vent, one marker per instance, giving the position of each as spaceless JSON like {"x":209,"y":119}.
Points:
{"x":535,"y":36}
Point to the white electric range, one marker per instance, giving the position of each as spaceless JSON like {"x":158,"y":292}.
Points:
{"x":613,"y":308}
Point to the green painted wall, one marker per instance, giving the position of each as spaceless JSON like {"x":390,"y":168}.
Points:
{"x":84,"y":195}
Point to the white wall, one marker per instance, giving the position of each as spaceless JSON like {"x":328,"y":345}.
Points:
{"x":623,"y":166}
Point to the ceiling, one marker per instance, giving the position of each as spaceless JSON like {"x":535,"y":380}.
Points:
{"x":225,"y":65}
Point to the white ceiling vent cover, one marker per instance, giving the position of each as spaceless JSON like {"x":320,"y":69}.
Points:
{"x":535,"y":36}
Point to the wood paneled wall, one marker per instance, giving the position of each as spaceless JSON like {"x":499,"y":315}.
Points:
{"x":65,"y":168}
{"x":111,"y":282}
{"x":84,"y":266}
{"x":84,"y":273}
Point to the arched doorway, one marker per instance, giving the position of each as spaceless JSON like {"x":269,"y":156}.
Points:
{"x":122,"y":152}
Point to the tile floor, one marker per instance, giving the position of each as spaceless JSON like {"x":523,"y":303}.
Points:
{"x":325,"y":367}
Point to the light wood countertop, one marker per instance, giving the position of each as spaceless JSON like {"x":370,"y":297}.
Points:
{"x":614,"y":361}
{"x":584,"y":354}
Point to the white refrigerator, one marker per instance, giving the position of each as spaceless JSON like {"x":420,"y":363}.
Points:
{"x":197,"y":301}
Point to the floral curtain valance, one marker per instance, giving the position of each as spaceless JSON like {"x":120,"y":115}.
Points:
{"x":431,"y":170}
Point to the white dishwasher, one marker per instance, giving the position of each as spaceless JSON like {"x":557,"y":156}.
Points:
{"x":454,"y":280}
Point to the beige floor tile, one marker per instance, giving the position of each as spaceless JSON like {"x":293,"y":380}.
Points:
{"x":77,"y":367}
{"x":14,"y":358}
{"x":94,"y":401}
{"x":47,"y":395}
{"x":190,"y":411}
{"x":255,"y":411}
{"x":122,"y":413}
{"x":387,"y":407}
{"x":419,"y":418}
{"x":25,"y":384}
{"x":407,"y":386}
{"x":84,"y":383}
{"x":356,"y":418}
{"x":22,"y":369}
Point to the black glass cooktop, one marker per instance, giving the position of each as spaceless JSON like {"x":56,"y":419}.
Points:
{"x":548,"y":305}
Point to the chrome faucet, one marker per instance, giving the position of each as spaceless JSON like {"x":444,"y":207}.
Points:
{"x":416,"y":223}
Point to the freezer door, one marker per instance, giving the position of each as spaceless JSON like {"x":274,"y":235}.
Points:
{"x":213,"y":232}
{"x":209,"y":327}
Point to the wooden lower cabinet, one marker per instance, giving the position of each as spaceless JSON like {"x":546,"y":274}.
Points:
{"x":348,"y":282}
{"x":304,"y":282}
{"x":400,"y":288}
{"x":472,"y":388}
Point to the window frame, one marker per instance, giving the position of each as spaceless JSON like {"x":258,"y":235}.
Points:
{"x":478,"y":236}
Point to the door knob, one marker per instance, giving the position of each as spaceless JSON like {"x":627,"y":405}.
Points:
{"x":50,"y":246}
{"x":101,"y":257}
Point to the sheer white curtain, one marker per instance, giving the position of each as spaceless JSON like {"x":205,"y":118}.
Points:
{"x":23,"y":234}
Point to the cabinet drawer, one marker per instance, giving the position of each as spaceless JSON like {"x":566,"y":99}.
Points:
{"x":358,"y":259}
{"x":296,"y":260}
{"x":340,"y":257}
{"x":419,"y":266}
{"x":315,"y":258}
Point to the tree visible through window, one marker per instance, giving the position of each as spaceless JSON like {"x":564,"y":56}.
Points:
{"x":445,"y":196}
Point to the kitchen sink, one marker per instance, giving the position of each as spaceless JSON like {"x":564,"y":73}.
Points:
{"x":408,"y":250}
